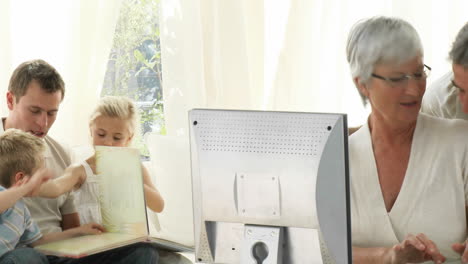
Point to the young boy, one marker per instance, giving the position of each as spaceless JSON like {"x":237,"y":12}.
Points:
{"x":21,"y":174}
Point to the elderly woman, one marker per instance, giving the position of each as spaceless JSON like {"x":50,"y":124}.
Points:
{"x":409,"y":171}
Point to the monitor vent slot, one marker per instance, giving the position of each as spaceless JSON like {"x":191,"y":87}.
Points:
{"x":263,"y":132}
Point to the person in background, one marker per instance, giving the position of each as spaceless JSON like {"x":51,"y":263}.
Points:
{"x":409,"y":177}
{"x":447,"y":97}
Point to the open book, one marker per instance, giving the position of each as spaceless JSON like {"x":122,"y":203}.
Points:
{"x":123,"y":208}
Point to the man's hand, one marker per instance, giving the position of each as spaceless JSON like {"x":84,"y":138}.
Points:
{"x":90,"y":229}
{"x":461,"y":249}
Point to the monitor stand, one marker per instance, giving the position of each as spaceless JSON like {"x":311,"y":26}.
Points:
{"x":262,"y":245}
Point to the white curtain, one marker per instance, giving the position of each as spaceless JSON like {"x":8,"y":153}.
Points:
{"x":281,"y":54}
{"x":5,"y":53}
{"x":212,"y":56}
{"x":75,"y":37}
{"x":312,"y":73}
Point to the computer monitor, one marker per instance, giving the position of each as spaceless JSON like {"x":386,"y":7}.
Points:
{"x":270,"y":187}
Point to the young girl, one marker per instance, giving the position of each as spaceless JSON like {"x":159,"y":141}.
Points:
{"x":112,"y":123}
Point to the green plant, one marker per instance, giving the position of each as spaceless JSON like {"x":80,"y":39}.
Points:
{"x":134,"y":67}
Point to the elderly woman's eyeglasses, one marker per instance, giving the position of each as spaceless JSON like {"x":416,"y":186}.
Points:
{"x":402,"y":81}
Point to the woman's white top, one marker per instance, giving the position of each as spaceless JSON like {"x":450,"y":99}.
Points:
{"x":433,"y":196}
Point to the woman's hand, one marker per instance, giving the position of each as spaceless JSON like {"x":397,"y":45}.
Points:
{"x":462,"y":249}
{"x":414,"y":249}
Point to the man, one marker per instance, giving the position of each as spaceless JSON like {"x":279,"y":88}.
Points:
{"x":34,"y":95}
{"x":447,"y":97}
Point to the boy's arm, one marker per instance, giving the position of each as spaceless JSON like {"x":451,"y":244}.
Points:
{"x":88,"y":229}
{"x":72,"y":177}
{"x":28,"y":186}
{"x":10,"y":196}
{"x":153,"y":198}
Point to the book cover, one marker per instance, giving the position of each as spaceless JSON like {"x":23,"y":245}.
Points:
{"x":122,"y":202}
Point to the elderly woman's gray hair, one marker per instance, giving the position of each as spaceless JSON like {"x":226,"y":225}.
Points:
{"x":459,"y":52}
{"x":380,"y":40}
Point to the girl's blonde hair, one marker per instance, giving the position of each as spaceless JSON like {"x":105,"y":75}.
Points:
{"x":116,"y":107}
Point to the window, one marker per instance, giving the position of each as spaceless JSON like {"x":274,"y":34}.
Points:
{"x":134,"y":66}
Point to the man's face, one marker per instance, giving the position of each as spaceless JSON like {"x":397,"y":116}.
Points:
{"x":460,"y":81}
{"x":35,"y":112}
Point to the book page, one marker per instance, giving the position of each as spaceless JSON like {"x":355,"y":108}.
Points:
{"x":122,"y":199}
{"x":86,"y":245}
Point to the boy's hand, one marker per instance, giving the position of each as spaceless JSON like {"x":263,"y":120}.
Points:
{"x":90,"y":229}
{"x":34,"y":182}
{"x":21,"y":182}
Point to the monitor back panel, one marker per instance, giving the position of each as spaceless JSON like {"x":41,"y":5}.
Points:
{"x":264,"y":168}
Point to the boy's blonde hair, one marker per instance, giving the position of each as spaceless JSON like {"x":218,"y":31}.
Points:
{"x":19,"y":152}
{"x":117,"y":107}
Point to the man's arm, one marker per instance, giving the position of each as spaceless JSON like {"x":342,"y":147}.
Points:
{"x":70,"y":221}
{"x":462,"y":248}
